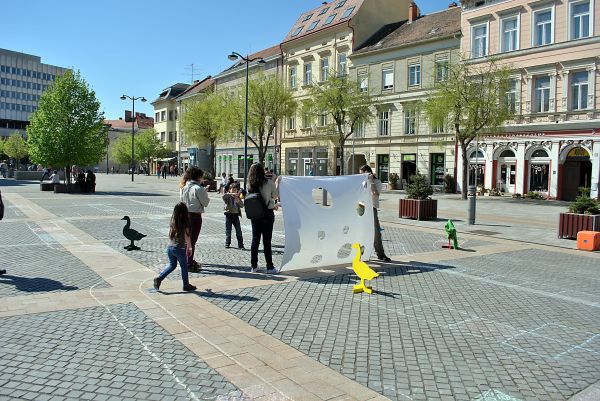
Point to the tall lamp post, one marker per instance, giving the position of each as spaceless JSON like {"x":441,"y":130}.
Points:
{"x":133,"y":99}
{"x":234,"y":56}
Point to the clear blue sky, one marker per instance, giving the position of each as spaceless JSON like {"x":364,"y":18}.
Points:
{"x":139,"y":47}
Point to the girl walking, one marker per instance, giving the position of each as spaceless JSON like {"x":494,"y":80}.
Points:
{"x":196,"y":199}
{"x":179,"y":246}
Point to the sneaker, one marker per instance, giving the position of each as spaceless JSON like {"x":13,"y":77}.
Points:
{"x":189,"y":287}
{"x":273,"y":270}
{"x":241,"y":247}
{"x":384,"y":258}
{"x":157,"y":282}
{"x":254,"y":269}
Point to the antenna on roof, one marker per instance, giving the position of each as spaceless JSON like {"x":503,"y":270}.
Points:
{"x":190,"y":70}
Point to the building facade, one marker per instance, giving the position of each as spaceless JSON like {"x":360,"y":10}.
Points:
{"x":118,"y":129}
{"x":23,"y":79}
{"x":398,"y":66}
{"x":553,"y":144}
{"x":230,"y":154}
{"x":320,"y":43}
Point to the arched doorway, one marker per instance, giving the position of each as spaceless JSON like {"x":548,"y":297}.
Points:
{"x":355,"y":162}
{"x":477,"y":168}
{"x":576,"y":173}
{"x":506,"y":178}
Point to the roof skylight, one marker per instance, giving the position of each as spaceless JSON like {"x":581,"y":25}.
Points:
{"x":347,"y":12}
{"x":329,"y":19}
{"x":312,"y":25}
{"x":309,"y":16}
{"x":340,"y":4}
{"x":323,"y":11}
{"x":297,"y":31}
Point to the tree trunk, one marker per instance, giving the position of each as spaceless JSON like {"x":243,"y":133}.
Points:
{"x":211,"y":158}
{"x":465,"y":170}
{"x":342,"y":169}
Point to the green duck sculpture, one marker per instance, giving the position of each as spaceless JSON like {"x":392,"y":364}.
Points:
{"x":131,"y":235}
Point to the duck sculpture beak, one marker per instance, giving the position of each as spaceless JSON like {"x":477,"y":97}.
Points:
{"x":124,"y":218}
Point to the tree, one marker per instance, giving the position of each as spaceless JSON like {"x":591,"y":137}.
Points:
{"x":68,"y":127}
{"x":15,"y":147}
{"x":148,"y":147}
{"x":340,"y":98}
{"x":472,"y":102}
{"x":120,"y":150}
{"x":269,"y":102}
{"x":205,"y":122}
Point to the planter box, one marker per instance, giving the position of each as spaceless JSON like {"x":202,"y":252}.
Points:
{"x":425,"y":209}
{"x":571,"y":223}
{"x":46,"y":186}
{"x":63,"y":189}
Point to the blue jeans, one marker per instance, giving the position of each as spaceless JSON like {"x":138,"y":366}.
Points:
{"x":233,"y":220}
{"x":176,"y":254}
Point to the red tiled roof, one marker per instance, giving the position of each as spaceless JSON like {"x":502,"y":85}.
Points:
{"x":308,"y":19}
{"x":140,"y":122}
{"x":198,"y":87}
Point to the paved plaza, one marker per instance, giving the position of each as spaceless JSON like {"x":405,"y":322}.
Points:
{"x":512,"y":316}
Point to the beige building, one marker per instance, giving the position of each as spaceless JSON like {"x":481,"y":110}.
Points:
{"x":553,"y":47}
{"x":166,"y":119}
{"x":320,"y":43}
{"x":398,"y":66}
{"x":230,"y":154}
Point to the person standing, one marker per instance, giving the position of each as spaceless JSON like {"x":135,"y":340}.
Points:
{"x":233,"y":210}
{"x":179,"y":246}
{"x":375,"y":188}
{"x":164,"y":171}
{"x":196,"y":199}
{"x":263,"y":227}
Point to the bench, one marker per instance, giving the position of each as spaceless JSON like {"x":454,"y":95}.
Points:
{"x":46,"y":186}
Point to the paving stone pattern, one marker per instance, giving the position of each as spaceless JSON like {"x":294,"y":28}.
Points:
{"x":430,"y":335}
{"x":95,"y":354}
{"x":11,"y":211}
{"x":92,"y":205}
{"x":39,"y":264}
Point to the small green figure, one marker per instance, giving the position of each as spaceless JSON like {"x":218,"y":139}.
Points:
{"x":451,"y":233}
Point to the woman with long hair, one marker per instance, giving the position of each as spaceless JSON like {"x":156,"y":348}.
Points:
{"x":179,"y":245}
{"x":196,"y":199}
{"x":375,"y":187}
{"x":263,"y":227}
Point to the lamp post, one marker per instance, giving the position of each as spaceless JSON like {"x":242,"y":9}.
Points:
{"x":133,"y":99}
{"x":234,"y":56}
{"x":107,"y":143}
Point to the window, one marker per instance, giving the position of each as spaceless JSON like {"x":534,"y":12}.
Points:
{"x":437,"y":169}
{"x":511,"y":96}
{"x":157,"y":117}
{"x":163,"y":115}
{"x":170,"y":137}
{"x":162,"y":136}
{"x":414,"y":75}
{"x":359,"y":131}
{"x":329,"y":19}
{"x":297,"y":31}
{"x":340,"y":3}
{"x":409,"y":121}
{"x":323,"y":119}
{"x":510,"y":34}
{"x":341,"y":64}
{"x":479,"y":41}
{"x":176,"y":115}
{"x":312,"y":25}
{"x":579,"y":18}
{"x":441,"y":70}
{"x":542,"y":27}
{"x":384,"y":123}
{"x":579,"y":90}
{"x":542,"y":94}
{"x":291,"y":122}
{"x":438,"y":129}
{"x":363,"y":83}
{"x":323,"y":11}
{"x":387,"y":79}
{"x":171,"y":115}
{"x":324,"y":69}
{"x":306,"y":120}
{"x":293,"y":76}
{"x":347,"y":12}
{"x":307,"y":73}
{"x":308,"y":16}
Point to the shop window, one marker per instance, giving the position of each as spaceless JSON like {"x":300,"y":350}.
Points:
{"x":383,"y":166}
{"x":538,"y":177}
{"x":437,"y":169}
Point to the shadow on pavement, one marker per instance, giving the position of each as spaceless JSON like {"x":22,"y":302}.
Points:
{"x":9,"y":182}
{"x":208,"y":293}
{"x":35,"y":284}
{"x":238,"y":271}
{"x":128,"y":193}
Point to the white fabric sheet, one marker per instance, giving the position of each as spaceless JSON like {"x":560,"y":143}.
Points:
{"x":317,"y":236}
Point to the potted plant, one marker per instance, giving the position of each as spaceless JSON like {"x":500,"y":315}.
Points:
{"x":449,"y":184}
{"x":583,"y":215}
{"x":393,"y":180}
{"x":418,"y":204}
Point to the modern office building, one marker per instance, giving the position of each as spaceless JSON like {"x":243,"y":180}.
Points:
{"x":23,"y":78}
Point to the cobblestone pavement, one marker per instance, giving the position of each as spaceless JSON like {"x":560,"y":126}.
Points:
{"x":101,"y":353}
{"x":502,"y":320}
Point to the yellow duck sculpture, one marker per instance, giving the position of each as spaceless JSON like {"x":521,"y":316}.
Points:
{"x":362,"y":270}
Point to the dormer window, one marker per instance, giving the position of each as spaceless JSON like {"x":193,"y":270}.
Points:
{"x":347,"y":12}
{"x":297,"y":31}
{"x":323,"y":11}
{"x":329,"y":19}
{"x":340,"y":3}
{"x":309,"y":16}
{"x":312,"y":25}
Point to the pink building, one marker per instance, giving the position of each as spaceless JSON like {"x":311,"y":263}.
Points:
{"x":553,"y":144}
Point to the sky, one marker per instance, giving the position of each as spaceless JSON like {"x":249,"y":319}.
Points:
{"x":140,"y":47}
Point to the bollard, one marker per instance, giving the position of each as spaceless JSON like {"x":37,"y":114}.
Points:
{"x":472,"y":199}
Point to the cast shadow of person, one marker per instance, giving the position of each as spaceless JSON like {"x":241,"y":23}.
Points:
{"x":35,"y":284}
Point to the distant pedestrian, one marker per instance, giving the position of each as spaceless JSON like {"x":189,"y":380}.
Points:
{"x":262,"y":227}
{"x":196,"y":199}
{"x":55,"y":178}
{"x":46,"y":174}
{"x":112,"y":169}
{"x":223,"y":183}
{"x":375,"y":189}
{"x":158,"y":171}
{"x":179,"y":247}
{"x":164,"y":171}
{"x":233,"y":210}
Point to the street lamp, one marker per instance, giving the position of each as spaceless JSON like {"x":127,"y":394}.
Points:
{"x":133,"y":99}
{"x":234,"y":56}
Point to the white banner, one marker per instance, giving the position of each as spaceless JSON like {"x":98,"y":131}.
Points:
{"x":318,"y":235}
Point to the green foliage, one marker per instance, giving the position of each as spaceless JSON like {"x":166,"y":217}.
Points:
{"x":419,"y":187}
{"x":393,"y":178}
{"x":534,"y":195}
{"x":208,"y":176}
{"x":120,"y":151}
{"x":583,"y":204}
{"x":68,"y":126}
{"x":345,"y":105}
{"x":449,"y":184}
{"x":471,"y":102}
{"x":147,"y":147}
{"x":15,"y":147}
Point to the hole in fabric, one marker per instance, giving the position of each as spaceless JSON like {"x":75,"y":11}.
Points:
{"x":321,"y":235}
{"x":344,"y":251}
{"x":360,"y":209}
{"x":346,"y":229}
{"x":316,"y":259}
{"x":322,"y":197}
